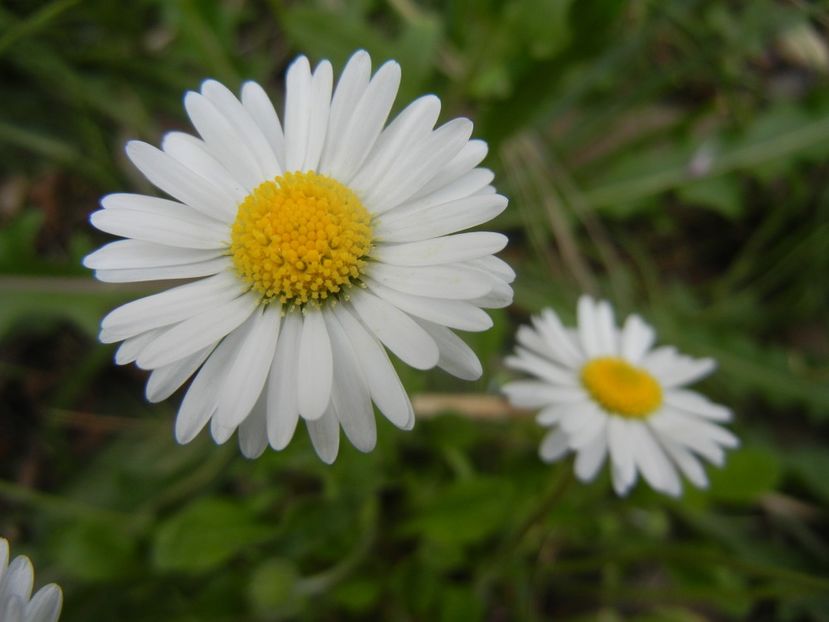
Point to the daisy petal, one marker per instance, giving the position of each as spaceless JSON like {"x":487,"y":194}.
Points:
{"x":636,"y":339}
{"x":446,"y":281}
{"x":452,"y":313}
{"x":383,"y":383}
{"x":244,"y":125}
{"x":325,"y":435}
{"x":435,"y":251}
{"x":456,"y":357}
{"x":472,"y":154}
{"x":245,"y":379}
{"x":350,"y":88}
{"x":696,"y":404}
{"x":554,"y":446}
{"x":588,"y":329}
{"x":168,"y":307}
{"x":45,"y":606}
{"x":283,"y":411}
{"x":350,"y":397}
{"x":253,"y":433}
{"x":621,"y":448}
{"x":298,"y":94}
{"x":197,"y":332}
{"x":590,"y":458}
{"x":535,"y":394}
{"x":165,"y":380}
{"x":398,"y":332}
{"x":652,"y":462}
{"x":261,"y":110}
{"x":199,"y":402}
{"x":365,"y":124}
{"x":314,"y":366}
{"x":194,"y":153}
{"x":174,"y":178}
{"x":128,"y":254}
{"x":321,"y":83}
{"x":161,"y":273}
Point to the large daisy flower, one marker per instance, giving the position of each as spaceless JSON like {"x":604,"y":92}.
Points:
{"x":314,"y":245}
{"x":604,"y":390}
{"x":16,"y":601}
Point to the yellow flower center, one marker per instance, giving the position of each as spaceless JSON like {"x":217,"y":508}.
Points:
{"x":301,"y":238}
{"x":621,"y":388}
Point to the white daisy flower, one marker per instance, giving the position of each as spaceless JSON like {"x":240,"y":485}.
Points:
{"x":16,"y":601}
{"x":314,"y":244}
{"x":604,"y":390}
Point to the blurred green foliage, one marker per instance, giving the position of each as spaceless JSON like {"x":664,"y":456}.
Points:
{"x":671,"y":156}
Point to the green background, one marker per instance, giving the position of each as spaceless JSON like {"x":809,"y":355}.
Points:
{"x":670,"y":156}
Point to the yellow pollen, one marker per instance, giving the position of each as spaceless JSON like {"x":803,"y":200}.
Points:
{"x":300,"y":238}
{"x":621,"y":388}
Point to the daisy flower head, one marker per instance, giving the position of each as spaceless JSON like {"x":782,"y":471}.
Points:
{"x":314,"y":244}
{"x":606,"y":391}
{"x":16,"y":601}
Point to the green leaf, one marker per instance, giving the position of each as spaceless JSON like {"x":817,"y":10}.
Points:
{"x":204,"y":535}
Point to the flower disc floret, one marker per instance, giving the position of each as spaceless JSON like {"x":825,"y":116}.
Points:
{"x":621,"y":388}
{"x":300,"y":238}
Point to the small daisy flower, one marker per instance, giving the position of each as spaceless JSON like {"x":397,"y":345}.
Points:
{"x":16,"y":601}
{"x":604,"y":390}
{"x":314,"y":245}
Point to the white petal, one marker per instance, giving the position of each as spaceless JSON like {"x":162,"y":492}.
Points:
{"x":468,"y":158}
{"x":621,"y":448}
{"x":652,"y":462}
{"x":398,"y":332}
{"x":538,"y":366}
{"x":298,"y":93}
{"x":606,"y":329}
{"x":496,"y":266}
{"x":447,"y":281}
{"x":696,"y":404}
{"x":670,"y":425}
{"x":200,"y":401}
{"x":169,"y":307}
{"x":441,"y":219}
{"x":318,"y":121}
{"x":244,"y":125}
{"x":535,"y":394}
{"x":561,"y":346}
{"x":325,"y":435}
{"x":127,"y":254}
{"x":165,"y":380}
{"x":245,"y":378}
{"x":253,"y":433}
{"x":4,"y":557}
{"x":456,"y":357}
{"x":418,"y":164}
{"x":283,"y":411}
{"x":197,"y":332}
{"x":499,"y":297}
{"x":448,"y":249}
{"x":383,"y":383}
{"x":636,"y":339}
{"x":18,"y":579}
{"x":591,"y":457}
{"x":12,"y":609}
{"x":354,"y":143}
{"x":461,"y":188}
{"x":194,"y":153}
{"x":314,"y":366}
{"x":553,"y":446}
{"x":224,"y":141}
{"x":583,"y":423}
{"x":45,"y":606}
{"x":452,"y":313}
{"x":181,"y":183}
{"x":158,"y":220}
{"x":674,"y":369}
{"x":261,"y":110}
{"x":588,"y":328}
{"x":350,"y":88}
{"x":350,"y":396}
{"x":410,"y":127}
{"x":686,"y":461}
{"x":161,"y":273}
{"x":552,"y":415}
{"x":129,"y":350}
